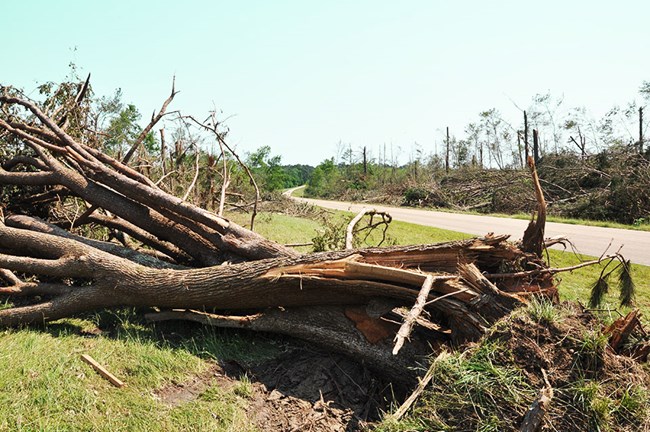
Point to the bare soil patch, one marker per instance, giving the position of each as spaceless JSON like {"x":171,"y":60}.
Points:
{"x":306,"y":389}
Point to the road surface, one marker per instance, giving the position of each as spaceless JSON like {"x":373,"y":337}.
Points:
{"x":587,"y":239}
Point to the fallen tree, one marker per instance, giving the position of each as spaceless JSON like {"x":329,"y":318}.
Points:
{"x":196,"y":265}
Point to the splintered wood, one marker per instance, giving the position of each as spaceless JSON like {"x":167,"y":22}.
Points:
{"x":102,"y":371}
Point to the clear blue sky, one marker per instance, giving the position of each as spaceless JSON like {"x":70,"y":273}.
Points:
{"x":301,"y":75}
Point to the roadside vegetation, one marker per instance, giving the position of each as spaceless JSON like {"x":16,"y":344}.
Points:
{"x":590,"y":169}
{"x":490,"y":386}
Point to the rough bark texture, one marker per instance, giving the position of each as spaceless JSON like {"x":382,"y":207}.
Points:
{"x":205,"y":268}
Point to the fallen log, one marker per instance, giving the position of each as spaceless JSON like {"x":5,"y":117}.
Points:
{"x":219,"y":273}
{"x":285,"y":291}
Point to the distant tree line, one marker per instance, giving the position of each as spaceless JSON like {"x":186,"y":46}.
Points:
{"x":592,"y":168}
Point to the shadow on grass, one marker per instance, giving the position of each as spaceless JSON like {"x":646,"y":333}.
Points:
{"x":298,"y":383}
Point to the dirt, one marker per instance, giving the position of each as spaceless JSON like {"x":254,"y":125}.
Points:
{"x":306,"y":389}
{"x":179,"y":393}
{"x":558,"y":348}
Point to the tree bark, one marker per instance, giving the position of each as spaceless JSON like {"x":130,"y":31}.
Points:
{"x":351,"y":301}
{"x":332,"y":278}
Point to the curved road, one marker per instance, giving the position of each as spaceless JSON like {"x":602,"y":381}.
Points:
{"x":587,"y":239}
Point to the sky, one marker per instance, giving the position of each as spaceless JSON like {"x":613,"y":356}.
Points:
{"x":303,"y":76}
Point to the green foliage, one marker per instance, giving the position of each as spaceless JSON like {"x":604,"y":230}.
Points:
{"x":598,"y":291}
{"x":271,"y":175}
{"x":415,"y":196}
{"x":296,"y":175}
{"x":122,"y":129}
{"x":324,"y":180}
{"x":332,"y":235}
{"x":543,"y":310}
{"x":626,"y":283}
{"x":266,"y":169}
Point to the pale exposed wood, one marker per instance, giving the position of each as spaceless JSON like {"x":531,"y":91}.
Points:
{"x":423,"y":383}
{"x":533,"y":240}
{"x":349,"y":233}
{"x":195,"y":178}
{"x":102,"y":370}
{"x":538,"y":409}
{"x":405,"y":330}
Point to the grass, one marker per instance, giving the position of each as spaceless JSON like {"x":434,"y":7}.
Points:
{"x":469,"y":389}
{"x":543,"y":311}
{"x":300,"y":192}
{"x":489,"y":386}
{"x":44,"y":384}
{"x":641,"y":226}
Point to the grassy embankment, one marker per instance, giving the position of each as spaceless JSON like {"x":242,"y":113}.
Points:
{"x":44,"y":385}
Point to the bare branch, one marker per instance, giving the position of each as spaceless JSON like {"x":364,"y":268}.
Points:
{"x":350,"y":231}
{"x":405,"y":330}
{"x":36,"y":289}
{"x":155,"y":119}
{"x":35,"y":224}
{"x":9,"y":277}
{"x":24,"y":160}
{"x":196,"y":176}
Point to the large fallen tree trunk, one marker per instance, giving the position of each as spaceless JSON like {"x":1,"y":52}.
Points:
{"x":219,"y":273}
{"x":462,"y":302}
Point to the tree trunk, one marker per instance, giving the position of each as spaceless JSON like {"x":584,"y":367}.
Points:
{"x":351,"y":301}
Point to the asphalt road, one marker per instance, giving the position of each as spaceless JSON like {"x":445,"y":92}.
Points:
{"x":587,"y":239}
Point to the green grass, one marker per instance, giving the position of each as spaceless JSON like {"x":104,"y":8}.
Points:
{"x":471,"y":390}
{"x":488,"y":387}
{"x":641,"y":226}
{"x":44,"y":384}
{"x":300,"y":192}
{"x":281,"y":228}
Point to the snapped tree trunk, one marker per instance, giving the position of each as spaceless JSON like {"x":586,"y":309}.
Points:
{"x":198,"y":264}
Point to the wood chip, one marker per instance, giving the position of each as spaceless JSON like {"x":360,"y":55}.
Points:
{"x":102,"y":370}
